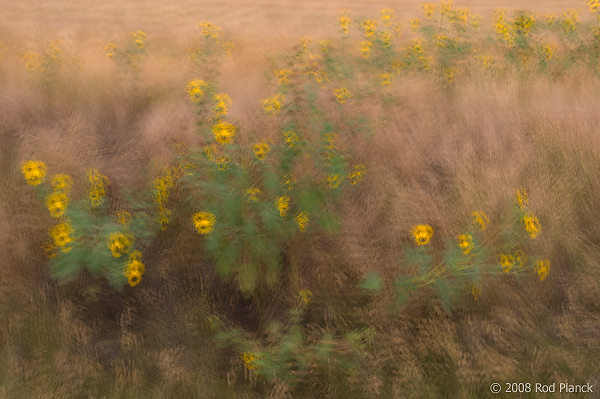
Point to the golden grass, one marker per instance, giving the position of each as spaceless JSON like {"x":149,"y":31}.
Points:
{"x":435,"y":156}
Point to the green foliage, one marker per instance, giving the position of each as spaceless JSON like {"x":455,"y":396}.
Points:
{"x":263,"y":198}
{"x":371,"y":283}
{"x":85,"y":235}
{"x":287,"y":354}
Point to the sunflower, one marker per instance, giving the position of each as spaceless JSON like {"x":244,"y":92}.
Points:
{"x":283,"y":204}
{"x":34,"y":172}
{"x":57,"y":204}
{"x":204,"y":222}
{"x":302,"y":220}
{"x":422,"y":234}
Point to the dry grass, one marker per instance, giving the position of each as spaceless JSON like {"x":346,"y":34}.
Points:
{"x":435,"y":156}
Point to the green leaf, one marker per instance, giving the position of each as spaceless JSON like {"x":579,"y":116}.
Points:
{"x":405,"y":285}
{"x":446,"y":292}
{"x":371,"y":283}
{"x":330,"y":222}
{"x":418,"y":256}
{"x":309,"y":200}
{"x":324,"y":347}
{"x":271,"y":183}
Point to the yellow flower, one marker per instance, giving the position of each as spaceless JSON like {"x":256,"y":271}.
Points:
{"x":446,"y":7}
{"x":487,"y":61}
{"x":57,"y":204}
{"x":386,"y":38}
{"x":325,"y":45}
{"x":229,"y":47}
{"x":291,"y":138}
{"x":110,"y":50}
{"x":507,"y":262}
{"x":522,"y":198}
{"x":261,"y":150}
{"x":320,"y":78}
{"x":139,"y":35}
{"x":532,"y":225}
{"x":98,"y":184}
{"x":288,"y":180}
{"x":164,"y":215}
{"x":284,"y":76}
{"x":414,"y":25}
{"x":387,"y":15}
{"x":123,"y":217}
{"x":62,"y":183}
{"x":49,"y":249}
{"x":222,"y":104}
{"x":223,"y":132}
{"x":162,"y":185}
{"x":195,"y":89}
{"x":209,"y":150}
{"x":542,"y":268}
{"x":305,"y":42}
{"x":416,"y":48}
{"x":223,"y":162}
{"x":480,"y":219}
{"x":334,"y":180}
{"x":54,"y":50}
{"x":209,"y":30}
{"x":252,"y":194}
{"x":465,"y":242}
{"x":61,"y":234}
{"x":119,"y":244}
{"x":342,"y":95}
{"x":476,"y":21}
{"x":422,"y":234}
{"x":385,"y":79}
{"x":520,"y":259}
{"x":523,"y":22}
{"x":449,"y":74}
{"x":329,"y":139}
{"x":369,"y":27}
{"x":135,"y":264}
{"x":345,"y":23}
{"x":273,"y":105}
{"x":283,"y":204}
{"x":365,"y":48}
{"x":250,"y":359}
{"x":570,"y":21}
{"x":548,"y":51}
{"x":135,"y":268}
{"x":550,"y":19}
{"x":34,"y":172}
{"x":594,"y":5}
{"x":302,"y":220}
{"x":428,"y":9}
{"x":358,"y":174}
{"x":204,"y":222}
{"x":305,"y":296}
{"x":136,"y":255}
{"x":134,"y":277}
{"x":476,"y":292}
{"x":425,"y":62}
{"x":33,"y":61}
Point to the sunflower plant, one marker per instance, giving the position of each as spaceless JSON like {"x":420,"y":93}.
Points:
{"x":467,"y":256}
{"x":248,"y":203}
{"x":84,"y":234}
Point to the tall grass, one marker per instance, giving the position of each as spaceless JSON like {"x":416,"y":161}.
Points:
{"x":444,"y":126}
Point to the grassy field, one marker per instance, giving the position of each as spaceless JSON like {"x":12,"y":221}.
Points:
{"x":267,"y":206}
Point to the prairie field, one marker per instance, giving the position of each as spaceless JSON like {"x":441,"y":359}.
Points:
{"x":335,"y":199}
